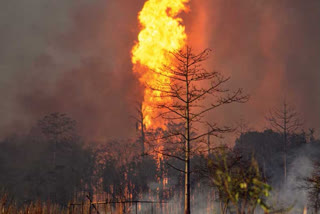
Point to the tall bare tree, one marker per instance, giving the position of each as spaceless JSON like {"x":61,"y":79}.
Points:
{"x":242,"y":126}
{"x":58,"y":128}
{"x":190,"y":87}
{"x":286,"y":121}
{"x":140,"y":127}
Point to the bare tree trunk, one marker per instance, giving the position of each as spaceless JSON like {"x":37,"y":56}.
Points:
{"x":285,"y":141}
{"x":187,"y":150}
{"x":186,"y":77}
{"x":286,"y":121}
{"x":209,"y":144}
{"x":54,"y":154}
{"x":142,"y":130}
{"x":187,"y":180}
{"x":142,"y":139}
{"x":285,"y":167}
{"x":54,"y":166}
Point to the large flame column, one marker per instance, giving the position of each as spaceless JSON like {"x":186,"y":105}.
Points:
{"x":161,"y":32}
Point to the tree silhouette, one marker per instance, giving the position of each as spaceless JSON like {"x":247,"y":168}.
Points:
{"x":58,"y":128}
{"x":60,"y":131}
{"x":285,"y":120}
{"x":140,"y":127}
{"x":190,"y":87}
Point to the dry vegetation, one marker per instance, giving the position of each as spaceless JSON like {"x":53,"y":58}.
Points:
{"x":9,"y":206}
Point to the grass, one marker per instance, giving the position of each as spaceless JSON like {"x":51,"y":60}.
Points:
{"x":9,"y":206}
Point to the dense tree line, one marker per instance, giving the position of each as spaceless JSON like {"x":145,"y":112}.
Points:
{"x":54,"y":164}
{"x":28,"y":172}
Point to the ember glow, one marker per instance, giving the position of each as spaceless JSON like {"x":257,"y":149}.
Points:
{"x":161,"y":32}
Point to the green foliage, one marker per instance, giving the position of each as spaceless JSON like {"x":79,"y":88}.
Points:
{"x":238,"y":182}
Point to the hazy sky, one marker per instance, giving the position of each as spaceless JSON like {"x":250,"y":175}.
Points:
{"x":73,"y":56}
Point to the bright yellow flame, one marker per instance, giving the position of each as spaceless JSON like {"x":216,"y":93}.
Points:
{"x":162,"y":31}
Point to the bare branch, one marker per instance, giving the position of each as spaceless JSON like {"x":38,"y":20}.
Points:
{"x":180,"y":170}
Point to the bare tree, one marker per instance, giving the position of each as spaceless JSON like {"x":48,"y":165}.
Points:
{"x":286,"y":121}
{"x":140,"y":127}
{"x":242,"y":126}
{"x":58,"y":128}
{"x":190,"y":87}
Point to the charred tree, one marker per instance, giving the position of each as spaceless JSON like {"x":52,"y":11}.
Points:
{"x":60,"y":131}
{"x":140,"y":127}
{"x":189,"y":87}
{"x":58,"y":128}
{"x":286,"y":121}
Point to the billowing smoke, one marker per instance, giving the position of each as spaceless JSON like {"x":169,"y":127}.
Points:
{"x":268,"y":48}
{"x":74,"y":57}
{"x":293,"y":193}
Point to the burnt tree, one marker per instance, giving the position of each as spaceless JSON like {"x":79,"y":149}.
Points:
{"x":60,"y":131}
{"x":286,"y":121}
{"x":58,"y":128}
{"x":189,"y":88}
{"x":140,"y":127}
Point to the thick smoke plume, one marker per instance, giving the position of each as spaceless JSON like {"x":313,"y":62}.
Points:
{"x":268,"y":48}
{"x":74,"y":57}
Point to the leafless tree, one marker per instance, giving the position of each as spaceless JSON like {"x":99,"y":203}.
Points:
{"x":286,"y":121}
{"x":58,"y":128}
{"x":242,"y":126}
{"x":140,"y":127}
{"x":190,"y":87}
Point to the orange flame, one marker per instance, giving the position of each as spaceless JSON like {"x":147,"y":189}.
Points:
{"x":162,"y":31}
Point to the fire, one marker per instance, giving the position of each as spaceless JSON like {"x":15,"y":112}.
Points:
{"x":162,"y":31}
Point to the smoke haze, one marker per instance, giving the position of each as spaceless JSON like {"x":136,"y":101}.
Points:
{"x":74,"y":57}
